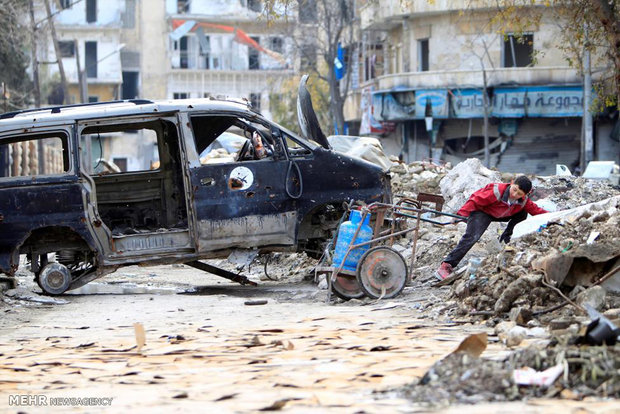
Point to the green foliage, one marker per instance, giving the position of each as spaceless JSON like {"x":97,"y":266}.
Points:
{"x":14,"y":46}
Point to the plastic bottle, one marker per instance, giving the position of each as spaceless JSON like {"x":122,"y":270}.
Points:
{"x":345,"y":234}
{"x":473,"y":265}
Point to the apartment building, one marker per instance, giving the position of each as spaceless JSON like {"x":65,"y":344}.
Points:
{"x":159,"y":49}
{"x":422,"y":72}
{"x":90,"y":39}
{"x":224,"y":48}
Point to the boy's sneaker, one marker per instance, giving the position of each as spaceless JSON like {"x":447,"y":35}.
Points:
{"x":444,"y":271}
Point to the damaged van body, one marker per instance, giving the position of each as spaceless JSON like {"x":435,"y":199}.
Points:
{"x":76,"y":221}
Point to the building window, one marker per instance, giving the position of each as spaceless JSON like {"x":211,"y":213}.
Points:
{"x":423,"y":55}
{"x":518,"y":50}
{"x":255,"y":101}
{"x":180,"y":95}
{"x":90,"y":59}
{"x":373,"y":65}
{"x":66,"y":4}
{"x":307,"y":11}
{"x":129,"y":16}
{"x":129,"y":89}
{"x":91,"y":11}
{"x":183,"y":52}
{"x":93,"y":98}
{"x":253,"y":58}
{"x":183,"y":6}
{"x":254,"y":5}
{"x":120,"y":163}
{"x":67,"y":48}
{"x":276,"y":44}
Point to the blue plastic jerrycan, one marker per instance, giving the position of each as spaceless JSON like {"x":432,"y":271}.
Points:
{"x":345,"y":235}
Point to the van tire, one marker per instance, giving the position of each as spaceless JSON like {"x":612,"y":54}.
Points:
{"x":54,"y":279}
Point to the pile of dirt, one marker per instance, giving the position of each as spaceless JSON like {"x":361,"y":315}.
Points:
{"x":461,"y":378}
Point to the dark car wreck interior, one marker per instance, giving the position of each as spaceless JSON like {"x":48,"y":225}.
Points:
{"x":208,"y":129}
{"x":144,"y":200}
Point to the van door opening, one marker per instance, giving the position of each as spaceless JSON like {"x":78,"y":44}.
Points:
{"x":142,"y":200}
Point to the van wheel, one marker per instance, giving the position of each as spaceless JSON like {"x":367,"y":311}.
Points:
{"x":54,"y":279}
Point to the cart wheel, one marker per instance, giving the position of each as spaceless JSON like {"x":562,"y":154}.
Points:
{"x":346,"y":287}
{"x":382,"y":273}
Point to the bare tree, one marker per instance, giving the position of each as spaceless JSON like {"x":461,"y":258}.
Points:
{"x":324,"y":26}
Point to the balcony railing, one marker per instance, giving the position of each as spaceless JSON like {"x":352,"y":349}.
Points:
{"x":550,"y":75}
{"x":375,"y":14}
{"x":232,"y":83}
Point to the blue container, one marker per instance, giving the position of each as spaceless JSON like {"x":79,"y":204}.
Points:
{"x":345,"y":234}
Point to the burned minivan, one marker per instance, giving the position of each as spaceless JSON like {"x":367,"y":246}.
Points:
{"x":217,"y":177}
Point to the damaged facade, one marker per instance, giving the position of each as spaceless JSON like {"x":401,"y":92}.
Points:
{"x":419,"y":81}
{"x":165,"y":49}
{"x":219,"y":48}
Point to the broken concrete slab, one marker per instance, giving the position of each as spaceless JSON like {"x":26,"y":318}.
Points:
{"x":463,"y":180}
{"x":534,"y":223}
{"x":594,"y":296}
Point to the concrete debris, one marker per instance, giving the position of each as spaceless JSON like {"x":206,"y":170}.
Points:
{"x":463,"y":180}
{"x":458,"y":378}
{"x":515,"y":336}
{"x":594,"y":296}
{"x":417,"y":177}
{"x":559,"y":253}
{"x":571,"y":192}
{"x":521,"y":316}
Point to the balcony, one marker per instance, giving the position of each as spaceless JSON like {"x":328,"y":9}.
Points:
{"x":552,"y":75}
{"x":225,"y":82}
{"x":386,"y":14}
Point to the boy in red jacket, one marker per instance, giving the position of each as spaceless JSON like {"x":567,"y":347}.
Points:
{"x":494,"y":202}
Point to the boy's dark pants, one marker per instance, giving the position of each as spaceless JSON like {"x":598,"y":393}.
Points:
{"x":477,"y":223}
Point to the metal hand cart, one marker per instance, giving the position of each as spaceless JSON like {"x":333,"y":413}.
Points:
{"x":382,"y":272}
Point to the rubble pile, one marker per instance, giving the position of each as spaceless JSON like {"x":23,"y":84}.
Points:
{"x":417,"y":177}
{"x":463,"y":180}
{"x":461,"y":378}
{"x":571,"y":192}
{"x":572,"y":253}
{"x":455,"y":185}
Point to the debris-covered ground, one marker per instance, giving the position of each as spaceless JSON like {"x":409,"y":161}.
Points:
{"x":461,"y":378}
{"x":525,"y":289}
{"x":528,"y":296}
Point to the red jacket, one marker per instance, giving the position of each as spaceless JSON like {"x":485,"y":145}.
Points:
{"x":489,"y":200}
